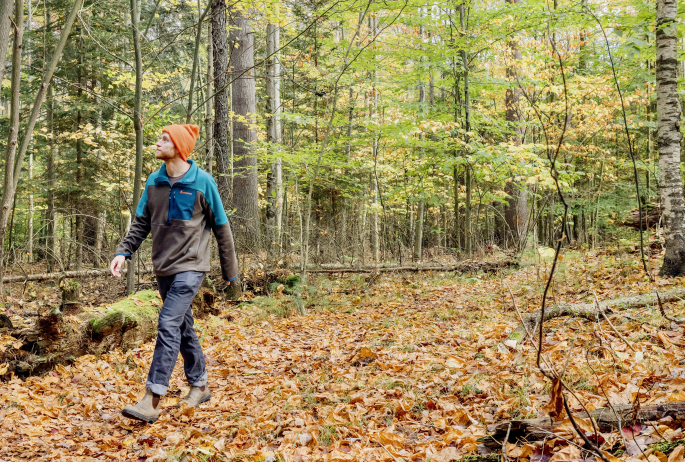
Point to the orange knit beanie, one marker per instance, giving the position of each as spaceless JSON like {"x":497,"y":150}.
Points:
{"x":184,"y":137}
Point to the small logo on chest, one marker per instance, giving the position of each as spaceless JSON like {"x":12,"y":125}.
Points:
{"x":183,"y":192}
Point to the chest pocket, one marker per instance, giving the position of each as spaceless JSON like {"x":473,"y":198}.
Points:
{"x":183,"y":203}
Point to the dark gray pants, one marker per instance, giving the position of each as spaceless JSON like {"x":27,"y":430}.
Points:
{"x":176,"y":333}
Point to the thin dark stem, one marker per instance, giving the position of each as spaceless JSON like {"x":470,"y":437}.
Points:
{"x":630,"y":145}
{"x":593,"y":448}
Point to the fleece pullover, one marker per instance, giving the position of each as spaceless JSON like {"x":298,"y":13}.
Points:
{"x":180,"y":218}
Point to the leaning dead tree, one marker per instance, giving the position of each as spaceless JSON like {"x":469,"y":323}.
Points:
{"x":589,"y":311}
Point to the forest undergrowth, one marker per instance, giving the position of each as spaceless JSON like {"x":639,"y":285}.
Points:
{"x":411,"y":368}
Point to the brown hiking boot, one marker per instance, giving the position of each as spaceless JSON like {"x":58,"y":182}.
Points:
{"x":145,"y":410}
{"x":196,"y":396}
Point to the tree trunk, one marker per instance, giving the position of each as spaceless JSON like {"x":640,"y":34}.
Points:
{"x":5,"y":28}
{"x":348,"y":154}
{"x":29,"y":244}
{"x":468,"y":229}
{"x":138,"y":127}
{"x":274,"y":181}
{"x":220,"y":65}
{"x":196,"y":59}
{"x":79,"y":160}
{"x":373,"y":114}
{"x":245,"y":180}
{"x":13,"y":165}
{"x":12,"y":138}
{"x":515,"y":215}
{"x":669,"y":138}
{"x":209,"y":121}
{"x":50,"y":167}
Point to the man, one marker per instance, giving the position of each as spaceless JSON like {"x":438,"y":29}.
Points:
{"x":180,"y":205}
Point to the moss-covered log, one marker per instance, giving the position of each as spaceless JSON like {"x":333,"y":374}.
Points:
{"x":589,"y":311}
{"x":59,"y":338}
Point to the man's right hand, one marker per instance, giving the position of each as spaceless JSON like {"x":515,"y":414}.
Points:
{"x":115,"y":266}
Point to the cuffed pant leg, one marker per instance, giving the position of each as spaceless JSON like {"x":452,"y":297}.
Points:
{"x":191,"y":350}
{"x":172,"y":317}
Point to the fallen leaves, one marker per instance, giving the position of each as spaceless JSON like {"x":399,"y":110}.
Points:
{"x":413,"y":372}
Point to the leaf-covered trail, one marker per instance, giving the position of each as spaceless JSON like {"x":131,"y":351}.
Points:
{"x":412,"y":371}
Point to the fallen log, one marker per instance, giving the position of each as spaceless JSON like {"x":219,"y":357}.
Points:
{"x":651,"y":214}
{"x":63,"y":275}
{"x":60,"y":338}
{"x":463,"y":267}
{"x":589,"y":311}
{"x":607,"y":419}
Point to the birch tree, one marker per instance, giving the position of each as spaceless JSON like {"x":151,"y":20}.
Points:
{"x":274,"y":181}
{"x":669,"y":137}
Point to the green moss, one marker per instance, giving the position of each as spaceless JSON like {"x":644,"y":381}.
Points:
{"x":481,"y":458}
{"x":666,"y":447}
{"x":516,"y":336}
{"x":290,"y":284}
{"x":125,"y":313}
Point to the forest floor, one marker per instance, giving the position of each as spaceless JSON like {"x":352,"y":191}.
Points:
{"x":411,"y":368}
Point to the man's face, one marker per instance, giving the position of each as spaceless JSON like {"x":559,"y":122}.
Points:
{"x":166,"y":150}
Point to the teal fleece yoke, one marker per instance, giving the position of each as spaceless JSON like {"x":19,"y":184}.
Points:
{"x":181,"y":219}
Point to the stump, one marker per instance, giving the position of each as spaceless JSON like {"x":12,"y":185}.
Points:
{"x":71,"y":294}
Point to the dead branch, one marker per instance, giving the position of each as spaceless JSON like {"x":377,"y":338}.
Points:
{"x":618,"y":334}
{"x":663,"y":311}
{"x":64,"y":274}
{"x":463,"y":267}
{"x":607,"y":419}
{"x":590,"y":310}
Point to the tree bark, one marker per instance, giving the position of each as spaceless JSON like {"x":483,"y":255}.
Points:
{"x":274,"y":182}
{"x":209,"y":103}
{"x":50,"y":167}
{"x":348,"y":154}
{"x":373,"y":113}
{"x":12,"y":167}
{"x":138,"y":127}
{"x":6,"y":8}
{"x":516,"y":213}
{"x":245,"y":180}
{"x":468,"y":229}
{"x":669,"y":138}
{"x":220,"y":64}
{"x":29,"y":246}
{"x":12,"y":138}
{"x":196,"y":59}
{"x":79,"y":160}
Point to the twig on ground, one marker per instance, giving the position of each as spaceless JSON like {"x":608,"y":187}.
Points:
{"x":611,"y":406}
{"x":593,"y":447}
{"x":504,"y":443}
{"x":663,"y":311}
{"x":418,"y":423}
{"x":611,"y":324}
{"x":528,"y":336}
{"x":568,"y":356}
{"x":386,"y":450}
